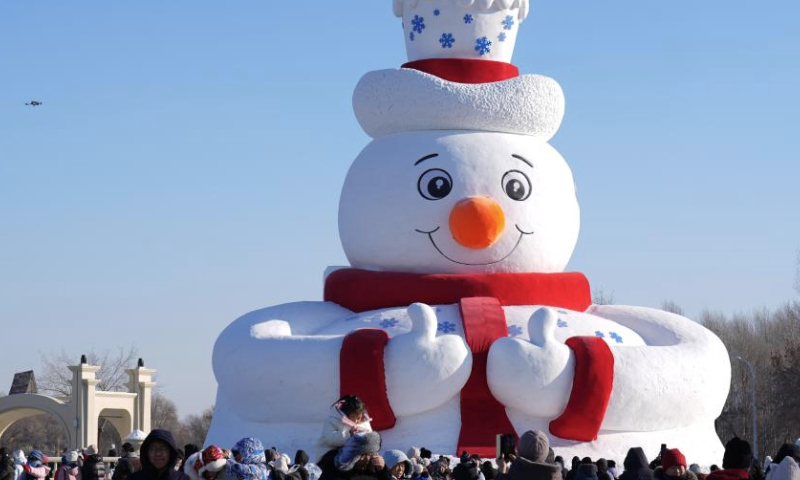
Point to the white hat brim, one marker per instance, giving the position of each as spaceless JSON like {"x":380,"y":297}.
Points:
{"x":403,"y":100}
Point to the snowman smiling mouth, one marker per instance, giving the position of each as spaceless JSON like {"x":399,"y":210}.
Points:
{"x":430,"y":233}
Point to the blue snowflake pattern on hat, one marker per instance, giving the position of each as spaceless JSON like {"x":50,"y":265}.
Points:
{"x":599,"y":334}
{"x":483,"y":46}
{"x":508,"y":22}
{"x":502,"y":37}
{"x":616,"y":337}
{"x":468,"y":18}
{"x":562,"y":323}
{"x":418,"y":24}
{"x":447,"y":40}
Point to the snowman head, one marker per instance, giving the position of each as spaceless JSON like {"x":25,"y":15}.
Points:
{"x":459,"y":202}
{"x":459,"y":177}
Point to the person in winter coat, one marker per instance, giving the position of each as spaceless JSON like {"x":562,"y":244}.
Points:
{"x":673,"y":467}
{"x":612,"y":469}
{"x":602,"y":469}
{"x":249,"y":461}
{"x":128,"y":463}
{"x":93,"y":467}
{"x":357,"y":460}
{"x":533,"y":449}
{"x":69,"y":468}
{"x":587,"y":470}
{"x":159,"y":455}
{"x":397,"y":463}
{"x":786,"y":450}
{"x":440,"y":469}
{"x":6,"y":466}
{"x":35,"y":468}
{"x":205,"y":465}
{"x":788,"y":469}
{"x":573,"y":470}
{"x":467,"y":468}
{"x":636,"y":466}
{"x":19,"y":463}
{"x":348,"y":416}
{"x":300,"y":461}
{"x":736,"y":461}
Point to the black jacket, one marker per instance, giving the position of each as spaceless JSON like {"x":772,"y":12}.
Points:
{"x":636,"y":466}
{"x":6,"y":468}
{"x":148,"y":471}
{"x":586,"y":471}
{"x":329,"y":471}
{"x":524,"y":469}
{"x":93,"y":468}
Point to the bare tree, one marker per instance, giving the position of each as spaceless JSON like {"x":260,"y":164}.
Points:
{"x":601,"y":297}
{"x":672,"y":307}
{"x":56,"y":379}
{"x":797,"y":274}
{"x":163,"y":413}
{"x":197,"y":426}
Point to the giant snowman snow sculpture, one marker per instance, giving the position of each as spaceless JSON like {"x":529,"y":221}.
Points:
{"x":455,"y":322}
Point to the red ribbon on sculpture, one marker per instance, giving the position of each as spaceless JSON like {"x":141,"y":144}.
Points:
{"x":362,"y":373}
{"x":482,"y":416}
{"x":591,"y":390}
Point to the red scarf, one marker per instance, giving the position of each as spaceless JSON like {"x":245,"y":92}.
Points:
{"x":480,"y":297}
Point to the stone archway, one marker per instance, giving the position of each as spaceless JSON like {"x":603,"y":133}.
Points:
{"x":14,"y":408}
{"x":80,"y":414}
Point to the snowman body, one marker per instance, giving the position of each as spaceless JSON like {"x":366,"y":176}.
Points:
{"x":277,"y":385}
{"x":459,"y":188}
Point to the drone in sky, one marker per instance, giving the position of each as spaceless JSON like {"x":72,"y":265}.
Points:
{"x":33,"y":103}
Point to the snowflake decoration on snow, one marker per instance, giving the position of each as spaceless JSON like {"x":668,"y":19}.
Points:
{"x":468,"y":18}
{"x":418,"y":24}
{"x":599,"y":334}
{"x":436,"y":12}
{"x":411,"y":36}
{"x":508,"y":22}
{"x":502,"y":37}
{"x":514,"y":330}
{"x":446,"y":327}
{"x":616,"y":337}
{"x":562,"y":323}
{"x":483,"y":46}
{"x":447,"y":40}
{"x":389,"y":322}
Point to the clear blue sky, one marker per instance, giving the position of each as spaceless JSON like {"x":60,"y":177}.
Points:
{"x":186,"y":164}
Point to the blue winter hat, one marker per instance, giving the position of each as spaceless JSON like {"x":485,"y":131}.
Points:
{"x":35,"y":456}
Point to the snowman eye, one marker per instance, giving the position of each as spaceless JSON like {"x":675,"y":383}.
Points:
{"x":516,"y":185}
{"x":435,"y":184}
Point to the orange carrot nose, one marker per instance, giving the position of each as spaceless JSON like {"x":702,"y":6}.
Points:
{"x":477,"y":222}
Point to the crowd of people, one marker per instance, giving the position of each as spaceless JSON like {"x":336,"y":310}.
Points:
{"x":354,"y":452}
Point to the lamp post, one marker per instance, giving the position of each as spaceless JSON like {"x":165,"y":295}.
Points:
{"x":755,"y":410}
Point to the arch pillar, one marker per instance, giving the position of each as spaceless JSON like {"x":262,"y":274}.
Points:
{"x":141,"y":383}
{"x":84,"y":389}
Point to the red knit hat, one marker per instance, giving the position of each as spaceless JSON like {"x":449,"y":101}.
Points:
{"x":672,"y":458}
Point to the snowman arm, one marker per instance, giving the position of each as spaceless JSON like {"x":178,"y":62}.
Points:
{"x":270,"y":357}
{"x":681,"y":376}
